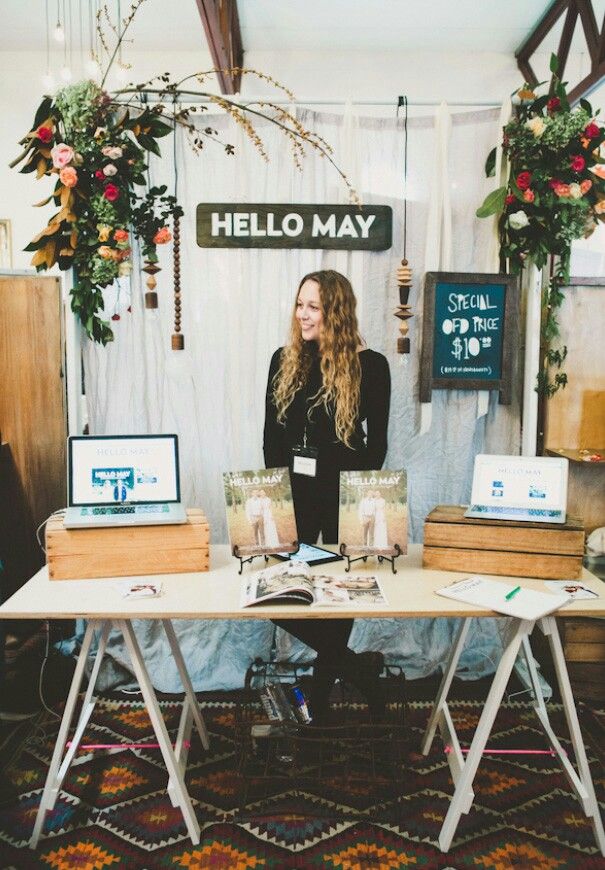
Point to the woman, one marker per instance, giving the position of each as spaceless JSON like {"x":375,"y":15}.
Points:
{"x":271,"y":537}
{"x":322,"y":387}
{"x":380,"y":522}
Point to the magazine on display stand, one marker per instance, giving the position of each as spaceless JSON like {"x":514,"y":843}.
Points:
{"x":294,"y":583}
{"x":373,"y":514}
{"x":260,"y":511}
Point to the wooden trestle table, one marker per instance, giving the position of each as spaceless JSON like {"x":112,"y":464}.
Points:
{"x":215,"y":595}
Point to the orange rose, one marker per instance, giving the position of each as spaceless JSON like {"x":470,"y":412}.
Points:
{"x":600,"y":207}
{"x":107,"y":253}
{"x":120,"y":235}
{"x":68,"y":176}
{"x":162,"y":236}
{"x":585,"y":185}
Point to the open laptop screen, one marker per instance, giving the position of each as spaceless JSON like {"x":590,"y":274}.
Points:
{"x":520,"y":481}
{"x":136,"y":469}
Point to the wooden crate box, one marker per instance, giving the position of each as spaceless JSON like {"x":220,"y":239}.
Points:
{"x":452,"y":542}
{"x":74,"y":554}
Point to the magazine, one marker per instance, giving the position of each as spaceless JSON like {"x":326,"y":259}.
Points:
{"x":292,"y":582}
{"x":373,"y":514}
{"x":570,"y":587}
{"x":260,"y":511}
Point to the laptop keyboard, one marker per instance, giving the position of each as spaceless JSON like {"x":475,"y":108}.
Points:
{"x":113,"y":510}
{"x":516,"y":512}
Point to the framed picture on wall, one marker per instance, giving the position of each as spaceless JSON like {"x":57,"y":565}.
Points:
{"x":6,"y":249}
{"x":469,"y":333}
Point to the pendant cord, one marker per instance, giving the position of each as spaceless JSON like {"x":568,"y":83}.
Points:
{"x":403,"y":102}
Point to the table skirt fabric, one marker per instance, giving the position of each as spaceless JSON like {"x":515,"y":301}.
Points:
{"x":217,"y":652}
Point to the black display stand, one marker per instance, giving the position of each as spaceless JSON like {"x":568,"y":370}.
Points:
{"x":383,"y":555}
{"x":248,"y":557}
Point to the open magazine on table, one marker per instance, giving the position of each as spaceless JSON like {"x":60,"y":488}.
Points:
{"x":293,"y":582}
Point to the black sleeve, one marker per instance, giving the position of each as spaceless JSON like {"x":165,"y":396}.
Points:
{"x":274,"y":443}
{"x":378,"y":391}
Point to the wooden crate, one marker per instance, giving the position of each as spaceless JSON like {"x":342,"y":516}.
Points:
{"x":584,"y":649}
{"x":74,"y":554}
{"x":452,"y":542}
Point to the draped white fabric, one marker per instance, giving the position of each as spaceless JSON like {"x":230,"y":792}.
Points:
{"x":236,"y":309}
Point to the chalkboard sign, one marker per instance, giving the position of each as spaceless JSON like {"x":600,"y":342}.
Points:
{"x":468,"y":326}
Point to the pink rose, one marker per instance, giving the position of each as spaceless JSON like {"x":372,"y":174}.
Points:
{"x":111,"y":192}
{"x":529,"y":195}
{"x":61,"y":155}
{"x":585,"y":185}
{"x":99,"y":174}
{"x":110,"y":170}
{"x":114,"y":152}
{"x":577,"y":163}
{"x":120,"y":235}
{"x":509,"y":199}
{"x":162,"y":236}
{"x":68,"y":176}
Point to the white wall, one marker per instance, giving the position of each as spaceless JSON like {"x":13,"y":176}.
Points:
{"x":320,"y":75}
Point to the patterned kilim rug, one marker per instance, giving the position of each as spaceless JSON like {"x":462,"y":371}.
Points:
{"x":113,"y":810}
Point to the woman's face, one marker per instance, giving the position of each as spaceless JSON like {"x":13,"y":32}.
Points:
{"x":308,"y":311}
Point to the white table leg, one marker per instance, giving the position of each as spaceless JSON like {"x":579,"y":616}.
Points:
{"x":444,"y":688}
{"x":161,"y":732}
{"x":57,"y":771}
{"x":548,"y":625}
{"x":186,"y":683}
{"x":519,"y":629}
{"x":181,"y":750}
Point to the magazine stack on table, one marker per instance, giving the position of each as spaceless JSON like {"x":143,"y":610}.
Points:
{"x":293,"y":583}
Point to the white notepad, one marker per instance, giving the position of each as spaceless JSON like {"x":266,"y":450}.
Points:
{"x":526,"y":604}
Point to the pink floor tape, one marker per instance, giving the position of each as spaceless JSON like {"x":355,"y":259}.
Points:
{"x":510,"y":751}
{"x":87,"y":746}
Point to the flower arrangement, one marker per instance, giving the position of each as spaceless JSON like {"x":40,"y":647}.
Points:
{"x":96,"y":146}
{"x":555,"y":193}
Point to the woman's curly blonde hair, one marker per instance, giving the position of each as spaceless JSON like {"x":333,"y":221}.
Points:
{"x":340,"y":366}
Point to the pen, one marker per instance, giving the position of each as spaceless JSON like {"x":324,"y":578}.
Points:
{"x":512,"y":593}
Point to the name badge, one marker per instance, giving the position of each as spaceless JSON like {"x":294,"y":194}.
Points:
{"x":305,"y":460}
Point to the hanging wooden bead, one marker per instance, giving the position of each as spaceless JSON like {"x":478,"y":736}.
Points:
{"x":151,"y":297}
{"x":178,"y":339}
{"x":403,"y":312}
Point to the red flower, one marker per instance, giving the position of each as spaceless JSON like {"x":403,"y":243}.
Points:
{"x":115,"y":316}
{"x":509,"y":198}
{"x":592,"y":130}
{"x":523,"y":180}
{"x":577,"y":163}
{"x":554,"y":183}
{"x":100,"y":174}
{"x":111,"y":192}
{"x":553,"y":104}
{"x":45,"y":134}
{"x":529,"y":195}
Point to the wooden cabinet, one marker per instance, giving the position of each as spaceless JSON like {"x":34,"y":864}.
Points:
{"x":32,"y":409}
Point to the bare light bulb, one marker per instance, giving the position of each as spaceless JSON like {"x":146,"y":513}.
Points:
{"x":92,"y":67}
{"x":59,"y":33}
{"x":66,"y":74}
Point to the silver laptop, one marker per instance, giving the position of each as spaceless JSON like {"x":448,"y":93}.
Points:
{"x":526,"y":488}
{"x":123,"y":480}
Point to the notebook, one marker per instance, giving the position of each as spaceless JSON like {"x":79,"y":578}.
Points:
{"x":525,"y":488}
{"x":491,"y":594}
{"x":123,"y":480}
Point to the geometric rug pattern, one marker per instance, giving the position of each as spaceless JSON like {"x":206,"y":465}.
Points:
{"x":113,"y":809}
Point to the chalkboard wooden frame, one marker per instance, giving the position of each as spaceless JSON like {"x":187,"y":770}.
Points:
{"x":511,"y":308}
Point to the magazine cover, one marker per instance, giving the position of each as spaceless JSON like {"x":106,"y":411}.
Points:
{"x":373,"y":514}
{"x":260,"y":511}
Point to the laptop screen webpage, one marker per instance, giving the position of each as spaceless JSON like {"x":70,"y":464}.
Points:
{"x":520,"y":482}
{"x":118,"y":469}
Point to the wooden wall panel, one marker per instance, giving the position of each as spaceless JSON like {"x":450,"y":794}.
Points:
{"x":32,"y":393}
{"x":576,"y":415}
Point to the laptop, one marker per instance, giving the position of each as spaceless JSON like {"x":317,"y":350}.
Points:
{"x":526,"y":488}
{"x":123,"y":480}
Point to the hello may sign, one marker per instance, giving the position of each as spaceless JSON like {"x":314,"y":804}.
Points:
{"x":335,"y":227}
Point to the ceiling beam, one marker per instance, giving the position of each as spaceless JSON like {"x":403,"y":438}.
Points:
{"x":221,"y":25}
{"x":595,"y":41}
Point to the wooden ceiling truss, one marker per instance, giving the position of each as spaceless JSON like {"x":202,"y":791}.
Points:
{"x":221,"y":25}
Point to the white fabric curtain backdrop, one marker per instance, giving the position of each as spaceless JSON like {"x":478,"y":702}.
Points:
{"x":237,"y":306}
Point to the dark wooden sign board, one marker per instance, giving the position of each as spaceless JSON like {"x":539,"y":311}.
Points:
{"x":468,"y":333}
{"x":283,"y":225}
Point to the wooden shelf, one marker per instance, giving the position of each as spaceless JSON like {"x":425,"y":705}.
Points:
{"x":581,"y":456}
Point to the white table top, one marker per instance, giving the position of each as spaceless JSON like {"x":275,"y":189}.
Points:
{"x":215,"y":594}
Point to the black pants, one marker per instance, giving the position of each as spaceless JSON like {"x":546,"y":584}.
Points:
{"x":328,"y":637}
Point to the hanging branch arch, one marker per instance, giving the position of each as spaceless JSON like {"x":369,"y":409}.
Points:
{"x":97,"y":146}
